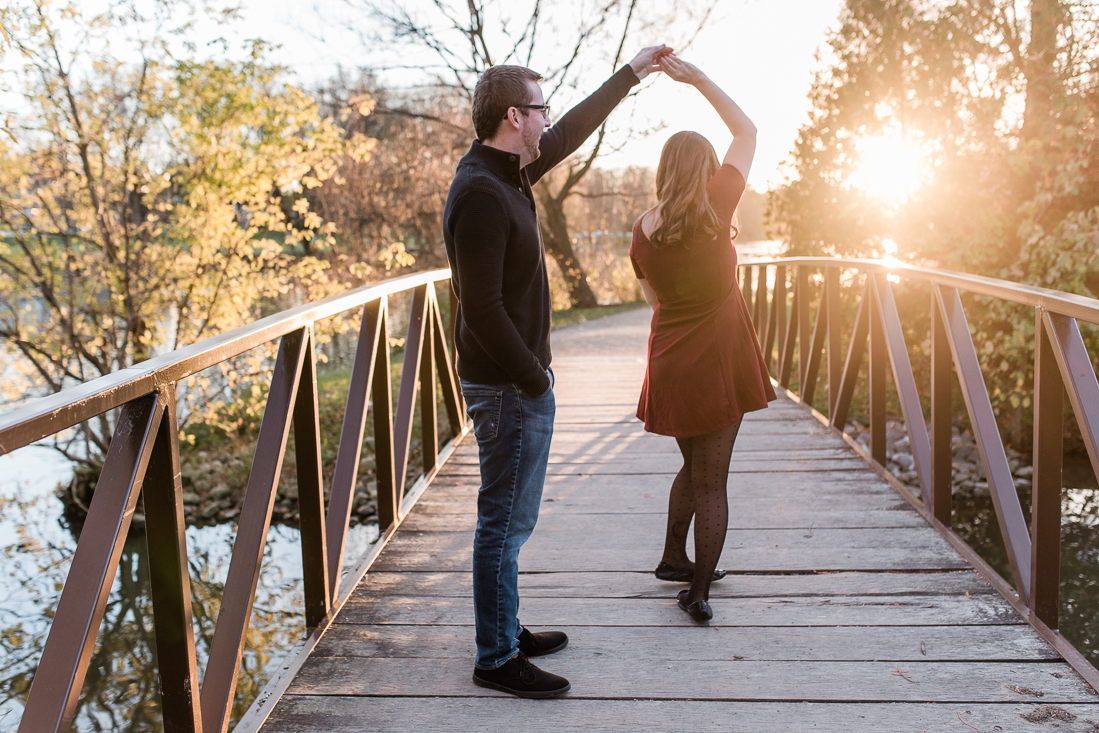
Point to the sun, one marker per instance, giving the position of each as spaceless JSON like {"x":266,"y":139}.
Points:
{"x":890,"y":167}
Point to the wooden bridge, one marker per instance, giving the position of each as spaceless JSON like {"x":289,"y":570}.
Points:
{"x":850,"y":605}
{"x":843,"y":610}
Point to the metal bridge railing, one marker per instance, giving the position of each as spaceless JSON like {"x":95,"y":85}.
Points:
{"x":143,"y":457}
{"x":144,"y":452}
{"x":1061,"y":366}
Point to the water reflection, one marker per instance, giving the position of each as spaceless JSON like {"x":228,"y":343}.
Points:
{"x":975,"y":522}
{"x":120,"y":692}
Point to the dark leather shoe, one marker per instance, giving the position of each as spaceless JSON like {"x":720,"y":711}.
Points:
{"x":519,"y":677}
{"x":699,"y":610}
{"x":541,"y":643}
{"x":664,"y":571}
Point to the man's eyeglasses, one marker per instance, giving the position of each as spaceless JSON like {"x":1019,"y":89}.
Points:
{"x":545,"y":108}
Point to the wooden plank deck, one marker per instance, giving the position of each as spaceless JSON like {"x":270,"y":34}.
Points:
{"x":843,"y":611}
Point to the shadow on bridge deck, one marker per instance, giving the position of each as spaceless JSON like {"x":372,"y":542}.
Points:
{"x":843,"y":610}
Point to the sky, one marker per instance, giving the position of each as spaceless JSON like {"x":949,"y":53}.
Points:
{"x":761,"y":52}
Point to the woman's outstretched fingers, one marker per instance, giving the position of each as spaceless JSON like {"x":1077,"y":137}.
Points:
{"x":680,"y":70}
{"x":646,"y":61}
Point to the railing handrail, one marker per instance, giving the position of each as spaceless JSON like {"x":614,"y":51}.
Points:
{"x":1055,"y":301}
{"x":53,"y":413}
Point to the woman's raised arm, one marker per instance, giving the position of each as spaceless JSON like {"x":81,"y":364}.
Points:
{"x":743,"y":147}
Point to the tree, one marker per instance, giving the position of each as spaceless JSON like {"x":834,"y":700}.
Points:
{"x":147,"y":204}
{"x":1000,"y":104}
{"x":999,"y":107}
{"x":395,"y":200}
{"x":5,"y":48}
{"x":575,"y":46}
{"x":600,"y":214}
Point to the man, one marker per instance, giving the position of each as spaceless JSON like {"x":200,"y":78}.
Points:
{"x":490,"y":226}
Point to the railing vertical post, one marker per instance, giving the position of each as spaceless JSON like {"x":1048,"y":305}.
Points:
{"x":805,"y":337}
{"x":452,"y":323}
{"x":942,"y":450}
{"x":169,"y":581}
{"x":760,"y":312}
{"x":406,"y":395}
{"x":808,"y":387}
{"x":786,"y":346}
{"x":1078,"y":377}
{"x":429,"y":411}
{"x":381,"y":394}
{"x":835,"y":346}
{"x":307,"y":452}
{"x":876,"y":391}
{"x":779,"y":306}
{"x":853,"y":363}
{"x":776,"y":317}
{"x":452,"y":395}
{"x":745,"y":272}
{"x":1045,"y":512}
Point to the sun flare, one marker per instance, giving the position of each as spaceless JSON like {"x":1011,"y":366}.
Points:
{"x":889,"y":167}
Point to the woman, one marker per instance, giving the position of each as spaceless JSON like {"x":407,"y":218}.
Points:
{"x":705,"y":368}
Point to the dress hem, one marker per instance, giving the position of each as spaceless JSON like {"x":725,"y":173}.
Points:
{"x":740,"y":417}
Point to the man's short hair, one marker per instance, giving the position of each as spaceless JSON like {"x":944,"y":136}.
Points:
{"x":498,"y":89}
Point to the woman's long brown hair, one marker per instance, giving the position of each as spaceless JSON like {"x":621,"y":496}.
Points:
{"x":687,"y":163}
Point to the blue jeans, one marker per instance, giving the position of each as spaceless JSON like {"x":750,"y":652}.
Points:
{"x":513,"y":433}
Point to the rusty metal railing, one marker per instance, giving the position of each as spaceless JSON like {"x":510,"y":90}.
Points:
{"x":143,"y":457}
{"x":1061,"y":366}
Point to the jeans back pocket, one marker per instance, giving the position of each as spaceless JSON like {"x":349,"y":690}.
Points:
{"x":483,"y":407}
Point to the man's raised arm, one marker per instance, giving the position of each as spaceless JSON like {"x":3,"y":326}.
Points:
{"x":570,"y":132}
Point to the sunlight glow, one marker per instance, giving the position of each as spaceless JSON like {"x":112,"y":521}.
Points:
{"x":889,"y":168}
{"x":889,"y":253}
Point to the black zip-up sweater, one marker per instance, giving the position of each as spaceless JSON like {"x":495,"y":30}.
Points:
{"x":490,"y":226}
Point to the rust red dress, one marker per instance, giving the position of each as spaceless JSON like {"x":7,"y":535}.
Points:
{"x":705,"y":367}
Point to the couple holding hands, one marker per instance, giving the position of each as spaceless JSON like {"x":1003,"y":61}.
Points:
{"x":705,"y":368}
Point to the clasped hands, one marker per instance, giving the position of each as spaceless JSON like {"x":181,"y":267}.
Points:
{"x":663,"y":58}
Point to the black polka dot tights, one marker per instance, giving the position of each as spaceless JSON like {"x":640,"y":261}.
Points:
{"x":699,"y":491}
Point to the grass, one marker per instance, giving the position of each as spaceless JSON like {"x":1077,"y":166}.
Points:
{"x":572,"y":316}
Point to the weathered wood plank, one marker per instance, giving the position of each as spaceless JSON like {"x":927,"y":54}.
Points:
{"x":662,"y":465}
{"x":626,"y":403}
{"x":658,"y":644}
{"x":646,"y":585}
{"x":612,"y":434}
{"x":625,"y":412}
{"x":580,"y":534}
{"x":589,"y":454}
{"x":731,"y":612}
{"x":363,"y":715}
{"x":653,"y":522}
{"x":708,"y":680}
{"x":886,"y":512}
{"x":642,"y":527}
{"x":807,"y":427}
{"x":439,"y":516}
{"x":785,"y":484}
{"x":752,"y":560}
